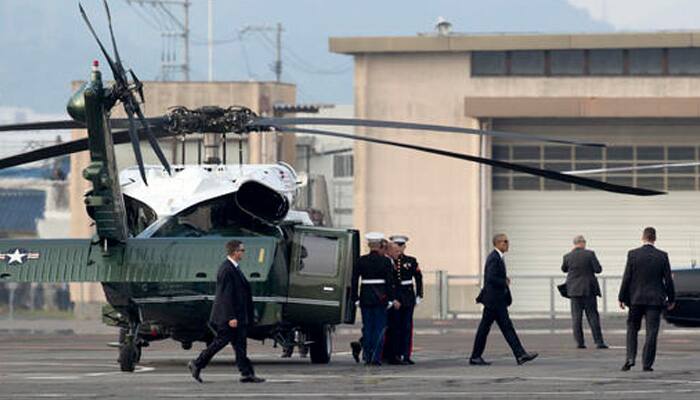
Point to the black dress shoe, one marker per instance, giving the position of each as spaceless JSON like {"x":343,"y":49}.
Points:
{"x":394,"y":361}
{"x":648,"y":369}
{"x":408,"y":361}
{"x":252,"y":379}
{"x":627,"y":366}
{"x":581,"y":346}
{"x":356,"y":350}
{"x":478,"y":361}
{"x":602,"y":346}
{"x":195,"y":371}
{"x":526,"y":357}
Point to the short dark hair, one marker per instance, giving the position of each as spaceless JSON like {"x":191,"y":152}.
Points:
{"x":232,"y":246}
{"x":649,"y":234}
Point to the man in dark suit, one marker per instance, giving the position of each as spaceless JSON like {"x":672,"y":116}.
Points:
{"x":231,"y":315}
{"x":581,"y":265}
{"x":495,"y":296}
{"x":647,"y":287}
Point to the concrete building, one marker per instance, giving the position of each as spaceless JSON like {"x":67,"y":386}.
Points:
{"x":637,"y":92}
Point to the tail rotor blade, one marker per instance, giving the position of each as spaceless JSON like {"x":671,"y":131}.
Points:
{"x":152,"y":140}
{"x":554,"y":175}
{"x":135,"y":143}
{"x":118,"y":63}
{"x":137,"y":83}
{"x":115,"y":70}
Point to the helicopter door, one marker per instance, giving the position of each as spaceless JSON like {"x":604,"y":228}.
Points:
{"x":318,"y":275}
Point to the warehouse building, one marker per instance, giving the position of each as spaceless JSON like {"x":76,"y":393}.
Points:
{"x":636,"y":92}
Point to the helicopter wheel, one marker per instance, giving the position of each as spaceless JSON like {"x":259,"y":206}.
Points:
{"x":322,"y":344}
{"x":129,"y":351}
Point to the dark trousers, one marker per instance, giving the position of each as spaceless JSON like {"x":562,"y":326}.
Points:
{"x":652,"y":315}
{"x":237,"y":338}
{"x":400,"y":326}
{"x":373,"y":328}
{"x":500,"y":315}
{"x":589,"y":304}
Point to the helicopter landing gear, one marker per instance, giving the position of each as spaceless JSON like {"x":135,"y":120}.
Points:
{"x":321,"y":344}
{"x":129,"y":348}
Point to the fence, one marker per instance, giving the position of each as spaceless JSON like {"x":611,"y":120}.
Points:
{"x":533,"y":295}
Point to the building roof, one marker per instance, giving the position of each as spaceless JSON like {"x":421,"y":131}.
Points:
{"x":529,"y":41}
{"x":20,"y":209}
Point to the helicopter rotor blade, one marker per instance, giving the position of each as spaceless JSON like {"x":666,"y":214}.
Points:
{"x":548,"y":174}
{"x":152,"y":140}
{"x":43,"y":153}
{"x":115,"y":70}
{"x":262,"y":122}
{"x":629,"y":169}
{"x":133,"y":135}
{"x":42,"y":125}
{"x":118,"y":60}
{"x":74,"y":146}
{"x":137,"y":83}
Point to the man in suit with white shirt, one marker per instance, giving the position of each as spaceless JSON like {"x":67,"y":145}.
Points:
{"x":231,"y":315}
{"x":495,"y":296}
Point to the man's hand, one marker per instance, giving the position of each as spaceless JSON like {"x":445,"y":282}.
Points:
{"x":671,"y":306}
{"x":507,"y":281}
{"x":233,"y":323}
{"x":418,"y":300}
{"x":622,"y":306}
{"x":397,"y":305}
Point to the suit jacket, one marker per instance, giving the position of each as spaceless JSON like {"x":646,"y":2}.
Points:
{"x":495,"y":292}
{"x":234,"y":299}
{"x":647,"y":279}
{"x":375,"y":267}
{"x":581,"y":265}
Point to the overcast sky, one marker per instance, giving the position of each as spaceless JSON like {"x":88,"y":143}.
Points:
{"x":638,"y":15}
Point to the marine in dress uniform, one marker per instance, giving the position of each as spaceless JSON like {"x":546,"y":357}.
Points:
{"x":406,"y":270}
{"x":372,"y":276}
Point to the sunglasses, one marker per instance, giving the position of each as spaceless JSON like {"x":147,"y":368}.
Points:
{"x":241,"y":250}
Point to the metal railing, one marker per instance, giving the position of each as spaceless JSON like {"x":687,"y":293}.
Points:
{"x":533,"y":295}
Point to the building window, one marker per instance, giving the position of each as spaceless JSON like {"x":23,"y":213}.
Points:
{"x":593,"y":62}
{"x":527,"y":62}
{"x":568,"y":158}
{"x":489,"y":63}
{"x":646,"y":61}
{"x":342,"y":166}
{"x":567,"y":62}
{"x":684,"y":61}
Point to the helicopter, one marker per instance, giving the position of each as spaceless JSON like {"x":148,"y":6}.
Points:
{"x":160,"y":229}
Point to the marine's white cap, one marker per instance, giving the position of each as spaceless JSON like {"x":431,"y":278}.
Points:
{"x":400,"y":239}
{"x":374,"y":236}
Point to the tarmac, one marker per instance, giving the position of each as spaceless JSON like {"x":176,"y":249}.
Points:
{"x":60,"y":362}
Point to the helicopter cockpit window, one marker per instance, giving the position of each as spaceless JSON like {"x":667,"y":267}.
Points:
{"x":138,"y":215}
{"x":216,"y":217}
{"x":318,"y":256}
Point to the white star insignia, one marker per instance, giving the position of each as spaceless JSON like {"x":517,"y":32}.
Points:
{"x":15,"y":257}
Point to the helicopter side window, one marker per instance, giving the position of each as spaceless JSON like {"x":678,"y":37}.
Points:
{"x":318,"y":256}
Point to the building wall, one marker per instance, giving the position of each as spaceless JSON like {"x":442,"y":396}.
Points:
{"x":433,"y":200}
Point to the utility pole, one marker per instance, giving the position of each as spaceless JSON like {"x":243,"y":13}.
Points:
{"x":210,"y":39}
{"x":173,"y":29}
{"x":277,"y":65}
